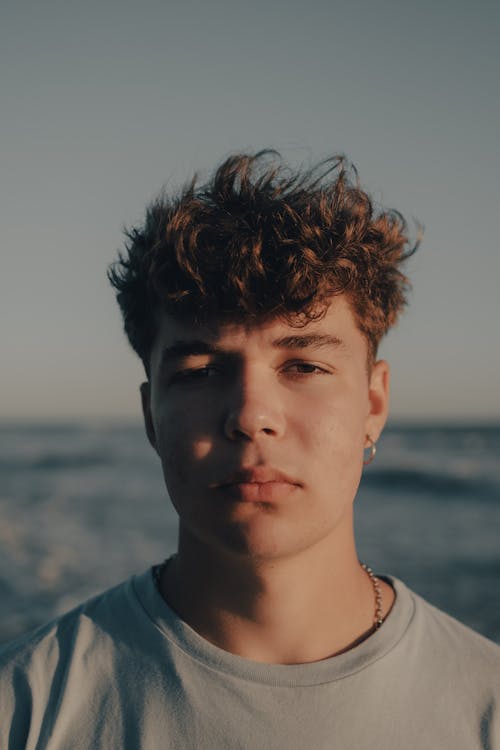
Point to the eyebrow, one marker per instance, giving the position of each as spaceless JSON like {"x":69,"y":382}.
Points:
{"x":199,"y":347}
{"x":309,"y":340}
{"x":187,"y":348}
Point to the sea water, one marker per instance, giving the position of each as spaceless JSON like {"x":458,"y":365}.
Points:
{"x":83,"y":506}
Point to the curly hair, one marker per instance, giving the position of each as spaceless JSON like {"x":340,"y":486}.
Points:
{"x":259,"y":240}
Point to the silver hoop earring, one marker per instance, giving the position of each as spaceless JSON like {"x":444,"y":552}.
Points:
{"x":372,"y":448}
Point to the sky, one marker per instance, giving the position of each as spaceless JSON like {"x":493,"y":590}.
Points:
{"x":104,"y":103}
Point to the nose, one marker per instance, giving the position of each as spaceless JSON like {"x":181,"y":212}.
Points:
{"x":256,"y":413}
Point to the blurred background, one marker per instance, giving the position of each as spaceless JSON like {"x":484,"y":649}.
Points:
{"x":105,"y":103}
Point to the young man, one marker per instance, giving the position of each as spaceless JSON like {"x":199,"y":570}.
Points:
{"x":256,"y":303}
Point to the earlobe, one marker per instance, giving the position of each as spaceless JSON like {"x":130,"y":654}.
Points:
{"x":146,"y":410}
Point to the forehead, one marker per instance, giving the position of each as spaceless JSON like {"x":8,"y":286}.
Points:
{"x":338,"y":324}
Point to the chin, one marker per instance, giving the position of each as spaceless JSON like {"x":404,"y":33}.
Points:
{"x":257,"y":545}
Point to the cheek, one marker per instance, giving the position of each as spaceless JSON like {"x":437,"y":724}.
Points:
{"x":337,"y":435}
{"x":184,"y":448}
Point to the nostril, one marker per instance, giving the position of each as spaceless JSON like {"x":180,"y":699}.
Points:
{"x":247,"y":425}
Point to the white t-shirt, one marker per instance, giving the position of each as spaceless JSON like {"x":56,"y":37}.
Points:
{"x":124,"y":671}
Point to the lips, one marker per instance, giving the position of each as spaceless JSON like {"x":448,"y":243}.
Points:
{"x":257,"y":484}
{"x":257,"y":475}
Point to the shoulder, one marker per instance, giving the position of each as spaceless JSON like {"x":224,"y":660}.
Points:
{"x":61,"y":666}
{"x":35,"y":657}
{"x":454,"y":633}
{"x":450,"y":649}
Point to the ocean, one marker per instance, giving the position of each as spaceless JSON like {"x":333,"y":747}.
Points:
{"x":83,"y":506}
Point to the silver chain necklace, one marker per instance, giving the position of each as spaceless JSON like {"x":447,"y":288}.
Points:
{"x":378,"y":617}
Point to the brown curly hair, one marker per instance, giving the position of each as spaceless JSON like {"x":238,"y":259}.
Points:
{"x":259,"y":240}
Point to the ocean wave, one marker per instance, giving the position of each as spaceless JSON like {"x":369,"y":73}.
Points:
{"x":412,"y":480}
{"x":54,"y":462}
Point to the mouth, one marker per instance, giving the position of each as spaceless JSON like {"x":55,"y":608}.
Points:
{"x":258,"y":484}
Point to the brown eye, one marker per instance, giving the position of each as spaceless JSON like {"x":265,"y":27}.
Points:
{"x":194,"y":374}
{"x":303,"y":369}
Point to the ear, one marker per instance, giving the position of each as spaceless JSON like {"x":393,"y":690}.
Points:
{"x":378,"y":394}
{"x":146,"y":410}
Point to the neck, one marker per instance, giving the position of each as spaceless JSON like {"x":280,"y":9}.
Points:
{"x":294,"y":610}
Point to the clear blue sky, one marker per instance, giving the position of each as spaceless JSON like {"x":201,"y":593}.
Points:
{"x":104,"y":102}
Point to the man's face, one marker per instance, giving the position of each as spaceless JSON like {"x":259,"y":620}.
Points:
{"x":261,"y":429}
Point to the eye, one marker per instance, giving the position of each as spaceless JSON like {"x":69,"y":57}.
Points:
{"x":194,"y":374}
{"x":304,"y":369}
